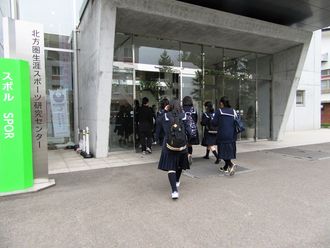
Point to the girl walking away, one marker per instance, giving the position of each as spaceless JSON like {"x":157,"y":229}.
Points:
{"x":210,"y":131}
{"x":191,"y":116}
{"x":159,"y":131}
{"x":145,"y":118}
{"x":174,"y":158}
{"x":226,"y":136}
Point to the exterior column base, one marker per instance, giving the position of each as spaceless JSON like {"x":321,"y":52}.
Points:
{"x":39,"y":184}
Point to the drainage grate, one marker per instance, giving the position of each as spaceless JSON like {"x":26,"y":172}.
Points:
{"x":300,"y":153}
{"x":202,"y":168}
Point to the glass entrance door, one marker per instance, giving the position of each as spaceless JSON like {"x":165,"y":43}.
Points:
{"x":156,"y":85}
{"x":121,"y":112}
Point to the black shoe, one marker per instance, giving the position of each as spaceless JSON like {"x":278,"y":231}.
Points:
{"x":222,"y":169}
{"x":206,"y":157}
{"x":217,"y":161}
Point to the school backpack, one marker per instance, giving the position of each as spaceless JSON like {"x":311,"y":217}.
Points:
{"x":176,"y":136}
{"x":192,"y":126}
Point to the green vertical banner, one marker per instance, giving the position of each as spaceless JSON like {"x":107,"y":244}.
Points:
{"x":16,"y":166}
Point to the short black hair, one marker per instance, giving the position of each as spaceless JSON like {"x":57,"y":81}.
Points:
{"x":145,"y":100}
{"x":224,"y":100}
{"x":187,"y":101}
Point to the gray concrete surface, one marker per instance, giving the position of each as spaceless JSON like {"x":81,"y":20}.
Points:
{"x":281,"y":200}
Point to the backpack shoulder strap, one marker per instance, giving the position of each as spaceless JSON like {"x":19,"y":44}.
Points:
{"x":235,"y":114}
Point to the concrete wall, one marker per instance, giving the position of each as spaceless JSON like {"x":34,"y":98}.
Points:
{"x":4,"y":12}
{"x":308,"y":117}
{"x":287,"y":70}
{"x":95,"y":44}
{"x":325,"y":96}
{"x":325,"y":48}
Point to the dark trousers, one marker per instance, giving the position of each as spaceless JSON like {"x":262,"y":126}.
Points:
{"x":146,"y":139}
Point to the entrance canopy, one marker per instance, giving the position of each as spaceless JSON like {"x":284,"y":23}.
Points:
{"x":191,"y":23}
{"x":310,"y":15}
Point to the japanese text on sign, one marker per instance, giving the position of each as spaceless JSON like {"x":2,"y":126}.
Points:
{"x":8,"y":118}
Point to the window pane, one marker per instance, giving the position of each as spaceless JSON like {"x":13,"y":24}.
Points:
{"x":156,"y":51}
{"x":300,"y":97}
{"x":58,"y":41}
{"x":59,"y":97}
{"x":123,"y":48}
{"x":191,"y":56}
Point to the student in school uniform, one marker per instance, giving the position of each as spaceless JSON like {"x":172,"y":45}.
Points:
{"x":192,"y":118}
{"x":226,"y":136}
{"x":159,"y":131}
{"x":210,"y":131}
{"x":174,"y":160}
{"x":145,"y":118}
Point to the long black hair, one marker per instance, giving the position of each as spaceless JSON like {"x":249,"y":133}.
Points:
{"x":209,"y":107}
{"x":224,"y":100}
{"x":163,"y":103}
{"x":175,"y":107}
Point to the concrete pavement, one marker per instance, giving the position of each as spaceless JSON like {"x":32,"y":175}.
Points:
{"x":63,"y":161}
{"x":281,"y":199}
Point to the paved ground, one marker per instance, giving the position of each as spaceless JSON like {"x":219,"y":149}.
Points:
{"x":280,"y":199}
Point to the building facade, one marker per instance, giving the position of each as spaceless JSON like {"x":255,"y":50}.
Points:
{"x":325,"y":78}
{"x":172,"y":49}
{"x":106,"y":54}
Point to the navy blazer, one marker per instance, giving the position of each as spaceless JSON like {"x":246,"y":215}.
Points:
{"x":224,"y":119}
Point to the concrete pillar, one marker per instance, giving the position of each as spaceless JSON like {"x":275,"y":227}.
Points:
{"x":287,"y":69}
{"x":95,"y":56}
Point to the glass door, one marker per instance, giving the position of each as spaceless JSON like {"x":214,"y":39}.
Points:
{"x":264,"y":116}
{"x":155,"y":85}
{"x":121,"y":113}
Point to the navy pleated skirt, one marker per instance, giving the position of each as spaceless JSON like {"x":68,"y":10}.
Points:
{"x":227,"y":151}
{"x":170,"y":160}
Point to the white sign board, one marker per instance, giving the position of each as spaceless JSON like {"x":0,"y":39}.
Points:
{"x":25,"y":40}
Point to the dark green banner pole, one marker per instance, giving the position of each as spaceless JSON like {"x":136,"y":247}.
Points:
{"x":16,"y":166}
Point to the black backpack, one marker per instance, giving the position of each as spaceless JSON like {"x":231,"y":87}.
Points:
{"x":192,"y":126}
{"x":176,"y":136}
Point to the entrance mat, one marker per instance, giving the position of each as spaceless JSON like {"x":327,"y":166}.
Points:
{"x":301,"y":153}
{"x":202,"y":168}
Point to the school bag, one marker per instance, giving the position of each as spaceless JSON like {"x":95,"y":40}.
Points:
{"x":176,"y":136}
{"x":211,"y":128}
{"x":238,"y":123}
{"x":192,"y":126}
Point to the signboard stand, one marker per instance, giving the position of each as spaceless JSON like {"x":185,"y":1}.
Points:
{"x":25,"y":41}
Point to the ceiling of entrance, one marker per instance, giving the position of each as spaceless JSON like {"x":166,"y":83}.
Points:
{"x":130,"y":21}
{"x":310,"y":15}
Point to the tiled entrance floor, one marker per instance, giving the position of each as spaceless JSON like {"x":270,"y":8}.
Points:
{"x":62,"y":161}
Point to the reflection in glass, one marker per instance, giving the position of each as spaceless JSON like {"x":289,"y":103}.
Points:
{"x":240,"y":86}
{"x":164,"y":68}
{"x":121,"y":111}
{"x":123,"y":48}
{"x":59,"y":83}
{"x":191,"y":56}
{"x":156,"y":51}
{"x":58,"y":41}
